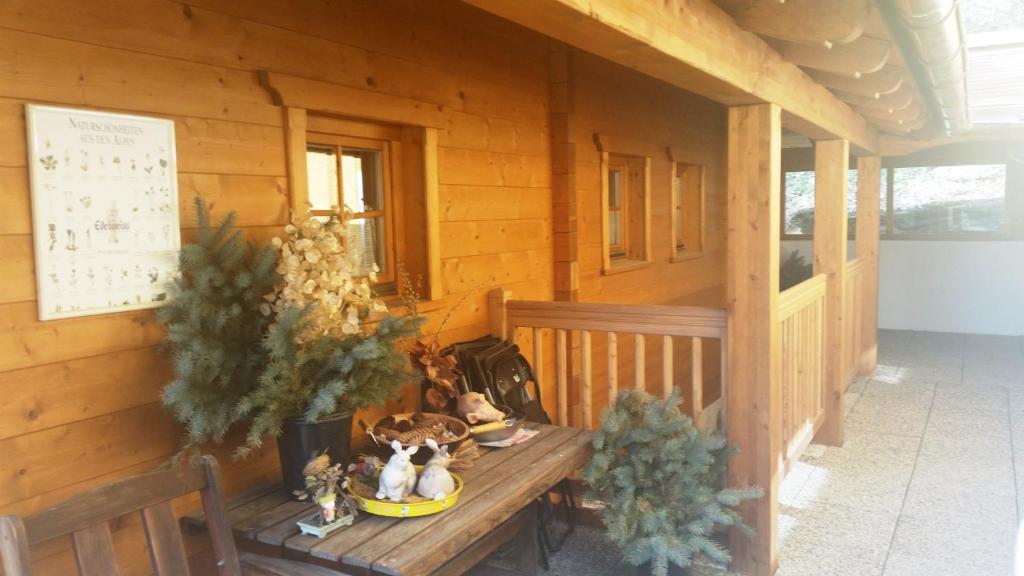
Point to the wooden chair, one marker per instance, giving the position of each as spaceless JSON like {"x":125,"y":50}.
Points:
{"x":86,"y":518}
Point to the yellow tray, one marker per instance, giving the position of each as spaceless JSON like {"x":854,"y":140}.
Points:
{"x":411,"y":509}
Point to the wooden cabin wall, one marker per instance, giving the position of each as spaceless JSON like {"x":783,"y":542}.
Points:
{"x":634,"y":114}
{"x":81,"y":404}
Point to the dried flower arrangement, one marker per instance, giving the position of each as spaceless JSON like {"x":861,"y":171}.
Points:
{"x":439,"y":369}
{"x":324,"y":483}
{"x":318,"y":272}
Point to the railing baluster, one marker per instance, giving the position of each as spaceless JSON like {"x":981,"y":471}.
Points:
{"x":538,"y":356}
{"x":587,"y":422}
{"x":667,"y":368}
{"x":697,"y":379}
{"x":563,"y":388}
{"x":640,"y":362}
{"x":613,"y":367}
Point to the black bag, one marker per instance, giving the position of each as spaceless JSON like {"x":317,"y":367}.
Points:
{"x":498,"y":370}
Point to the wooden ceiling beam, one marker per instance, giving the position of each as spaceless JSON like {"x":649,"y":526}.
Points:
{"x":908,"y":114}
{"x":694,"y":45}
{"x":862,"y":56}
{"x":885,"y":81}
{"x":822,"y":22}
{"x":905,"y":96}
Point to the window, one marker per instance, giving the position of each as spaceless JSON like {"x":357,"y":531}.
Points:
{"x":355,"y":173}
{"x":626,"y":203}
{"x":798,"y":203}
{"x":386,"y":175}
{"x":946,"y":200}
{"x":688,"y":209}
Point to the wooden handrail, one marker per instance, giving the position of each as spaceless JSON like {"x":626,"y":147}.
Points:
{"x":630,"y":318}
{"x":797,"y":297}
{"x":574,"y":324}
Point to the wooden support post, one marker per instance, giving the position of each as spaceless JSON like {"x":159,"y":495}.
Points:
{"x":497,"y":314}
{"x":754,"y":396}
{"x":831,"y":161}
{"x":868,"y":211}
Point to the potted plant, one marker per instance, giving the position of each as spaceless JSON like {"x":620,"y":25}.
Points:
{"x":320,"y":344}
{"x":660,"y":477}
{"x":214,"y":327}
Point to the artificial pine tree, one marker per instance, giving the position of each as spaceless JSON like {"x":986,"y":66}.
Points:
{"x":660,"y":477}
{"x":214,"y":327}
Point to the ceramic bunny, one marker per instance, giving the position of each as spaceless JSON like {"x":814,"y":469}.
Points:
{"x":474,"y":408}
{"x":435,"y":480}
{"x":398,"y":478}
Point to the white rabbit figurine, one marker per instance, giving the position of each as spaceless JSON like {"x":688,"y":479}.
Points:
{"x":398,"y":478}
{"x":435,"y":480}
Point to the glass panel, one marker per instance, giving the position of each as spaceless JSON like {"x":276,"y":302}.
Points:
{"x":615,"y":189}
{"x":322,"y":173}
{"x":799,"y":217}
{"x":949,"y":199}
{"x":677,"y":209}
{"x":615,"y":230}
{"x":367,"y":236}
{"x":363,"y":185}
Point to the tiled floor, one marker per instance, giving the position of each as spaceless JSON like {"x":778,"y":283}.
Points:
{"x":930,"y":480}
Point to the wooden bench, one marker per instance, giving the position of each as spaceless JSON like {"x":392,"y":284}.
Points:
{"x":87,"y":517}
{"x":490,"y":510}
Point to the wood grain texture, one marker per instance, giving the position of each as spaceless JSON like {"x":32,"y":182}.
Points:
{"x":754,"y":399}
{"x":831,"y":160}
{"x":868,"y":208}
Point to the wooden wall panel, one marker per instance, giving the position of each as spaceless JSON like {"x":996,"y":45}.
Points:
{"x":81,"y":396}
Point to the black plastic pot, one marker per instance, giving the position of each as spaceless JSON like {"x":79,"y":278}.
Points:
{"x":301,"y":440}
{"x":673,"y":570}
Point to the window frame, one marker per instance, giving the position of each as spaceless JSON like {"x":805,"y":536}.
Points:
{"x":693,"y":225}
{"x":388,"y":276}
{"x":635,"y":256}
{"x":620,"y":250}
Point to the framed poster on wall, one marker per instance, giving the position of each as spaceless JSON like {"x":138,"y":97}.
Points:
{"x":104,"y":210}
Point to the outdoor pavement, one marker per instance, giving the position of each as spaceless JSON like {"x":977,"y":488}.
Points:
{"x":927,"y":481}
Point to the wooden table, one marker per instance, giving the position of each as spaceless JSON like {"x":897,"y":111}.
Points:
{"x":500,"y":485}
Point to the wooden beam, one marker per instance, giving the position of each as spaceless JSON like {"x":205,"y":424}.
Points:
{"x":868,"y":211}
{"x":753,"y":397}
{"x":885,"y":81}
{"x":904,"y":96}
{"x":695,"y":46}
{"x":862,"y":56}
{"x":831,"y":161}
{"x":808,"y":21}
{"x":295,"y":151}
{"x":906,"y":115}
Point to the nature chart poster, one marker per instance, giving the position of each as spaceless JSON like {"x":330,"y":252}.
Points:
{"x":104,"y":210}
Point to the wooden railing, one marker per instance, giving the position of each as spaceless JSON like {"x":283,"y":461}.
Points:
{"x":853,"y":317}
{"x":575,"y":325}
{"x":802,"y":333}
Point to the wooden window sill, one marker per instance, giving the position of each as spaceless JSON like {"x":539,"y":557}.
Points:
{"x":625,"y":265}
{"x":686,"y":256}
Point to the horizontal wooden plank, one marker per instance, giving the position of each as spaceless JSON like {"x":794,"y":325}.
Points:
{"x":627,"y":318}
{"x":478,"y":132}
{"x":43,"y":68}
{"x":255,"y":200}
{"x":48,"y":459}
{"x":475,"y":167}
{"x":461,"y":203}
{"x":56,"y":394}
{"x":26,"y":342}
{"x":17,"y":268}
{"x":475,"y":238}
{"x":471,"y":272}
